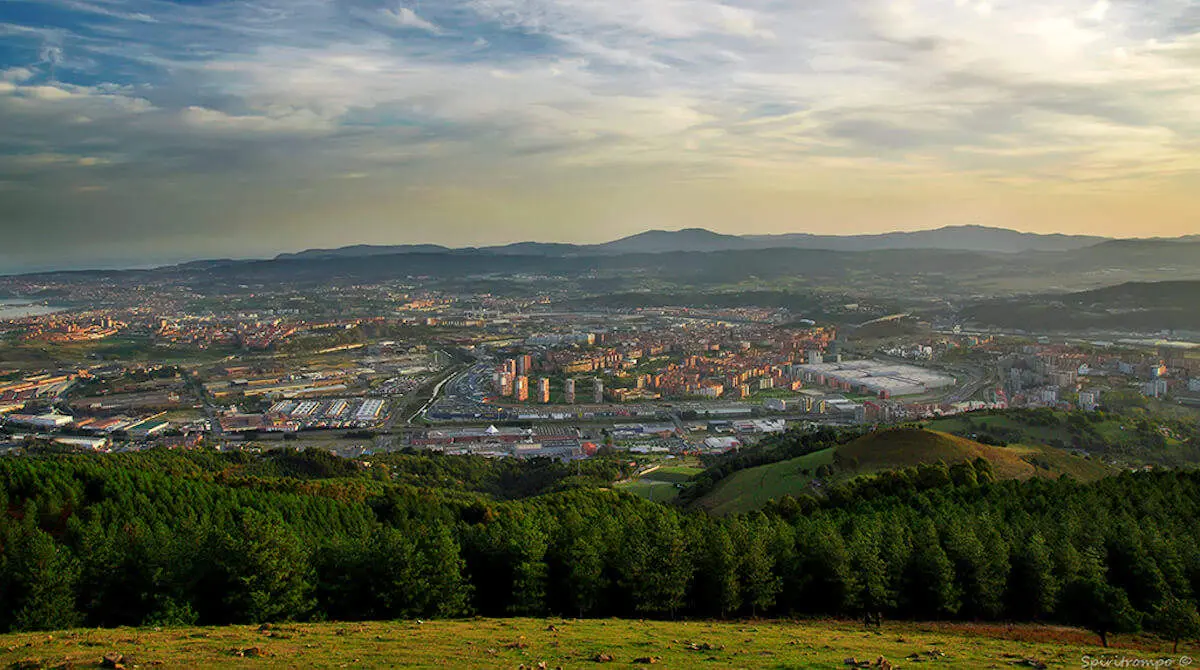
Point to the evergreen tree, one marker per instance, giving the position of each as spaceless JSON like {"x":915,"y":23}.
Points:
{"x":1175,"y":619}
{"x":979,"y":576}
{"x":37,"y":580}
{"x":654,"y":568}
{"x":1032,"y":588}
{"x":264,"y":572}
{"x":1132,"y":568}
{"x":756,"y":569}
{"x":929,"y":585}
{"x":527,"y":548}
{"x":448,"y":592}
{"x":1099,"y":607}
{"x":873,"y":594}
{"x":827,"y":584}
{"x":717,"y":588}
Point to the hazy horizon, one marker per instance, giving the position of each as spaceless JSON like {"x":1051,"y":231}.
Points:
{"x":133,"y":264}
{"x":147,"y":132}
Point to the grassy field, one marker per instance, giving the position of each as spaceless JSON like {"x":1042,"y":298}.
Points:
{"x":1114,"y":429}
{"x":661,"y":484}
{"x":676,"y":474}
{"x":530,"y":643}
{"x":887,"y":450}
{"x":1029,"y":433}
{"x":654,"y":491}
{"x":1051,"y":462}
{"x":750,"y":489}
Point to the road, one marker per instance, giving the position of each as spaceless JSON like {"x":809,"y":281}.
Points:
{"x":434,"y":395}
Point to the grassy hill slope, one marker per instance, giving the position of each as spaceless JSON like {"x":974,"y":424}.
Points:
{"x":1151,"y":433}
{"x":904,"y":448}
{"x":752,"y":488}
{"x":660,"y":484}
{"x":890,"y":450}
{"x":513,"y":643}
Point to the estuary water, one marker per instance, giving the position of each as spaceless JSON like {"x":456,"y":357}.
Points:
{"x":19,"y":309}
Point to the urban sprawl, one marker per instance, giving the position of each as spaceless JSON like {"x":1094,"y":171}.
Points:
{"x":415,"y":368}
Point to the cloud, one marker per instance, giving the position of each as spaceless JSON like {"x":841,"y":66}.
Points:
{"x":502,"y":97}
{"x":16,"y":75}
{"x":51,"y":55}
{"x":290,"y":121}
{"x":405,"y":17}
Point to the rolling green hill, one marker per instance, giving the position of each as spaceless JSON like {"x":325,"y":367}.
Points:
{"x":1144,"y":306}
{"x":889,"y":450}
{"x":752,"y":488}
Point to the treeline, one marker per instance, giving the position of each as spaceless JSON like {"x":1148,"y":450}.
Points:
{"x":502,"y":479}
{"x":170,"y":538}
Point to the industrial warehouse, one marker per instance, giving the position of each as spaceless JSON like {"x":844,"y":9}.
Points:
{"x":886,"y":380}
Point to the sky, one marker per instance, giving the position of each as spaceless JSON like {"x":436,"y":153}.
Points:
{"x":140,"y":132}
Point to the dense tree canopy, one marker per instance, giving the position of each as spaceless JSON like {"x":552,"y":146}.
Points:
{"x":174,"y":538}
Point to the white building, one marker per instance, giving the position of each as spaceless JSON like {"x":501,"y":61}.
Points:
{"x":722,"y":444}
{"x":1156,"y":388}
{"x":1089,"y":400}
{"x":40,"y":421}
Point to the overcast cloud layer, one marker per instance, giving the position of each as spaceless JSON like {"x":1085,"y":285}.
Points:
{"x":146,"y":131}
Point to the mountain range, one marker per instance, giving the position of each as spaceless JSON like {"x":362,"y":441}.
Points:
{"x":957,"y":264}
{"x":953,"y":238}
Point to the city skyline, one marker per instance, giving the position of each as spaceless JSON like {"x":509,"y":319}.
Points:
{"x":144,"y":132}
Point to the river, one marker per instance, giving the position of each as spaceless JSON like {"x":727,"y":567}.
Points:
{"x":19,"y":309}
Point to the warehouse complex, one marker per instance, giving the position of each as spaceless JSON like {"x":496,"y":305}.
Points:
{"x":885,"y":380}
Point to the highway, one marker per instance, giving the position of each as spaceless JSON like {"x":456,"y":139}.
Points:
{"x":434,"y":395}
{"x":399,"y":415}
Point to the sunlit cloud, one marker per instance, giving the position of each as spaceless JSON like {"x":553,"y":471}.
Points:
{"x":540,"y":109}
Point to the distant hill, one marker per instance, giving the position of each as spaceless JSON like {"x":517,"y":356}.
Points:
{"x":960,"y":238}
{"x":951,"y":238}
{"x":364,"y":250}
{"x":885,"y":450}
{"x":689,"y":239}
{"x":1150,"y":254}
{"x":695,"y":259}
{"x":1133,"y":306}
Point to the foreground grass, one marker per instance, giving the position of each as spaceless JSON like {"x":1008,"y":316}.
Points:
{"x":512,"y":643}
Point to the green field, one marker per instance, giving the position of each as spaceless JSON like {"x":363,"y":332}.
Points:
{"x":750,"y":489}
{"x":654,"y":491}
{"x":661,"y":484}
{"x":554,"y":643}
{"x":675,"y":474}
{"x":1030,"y":433}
